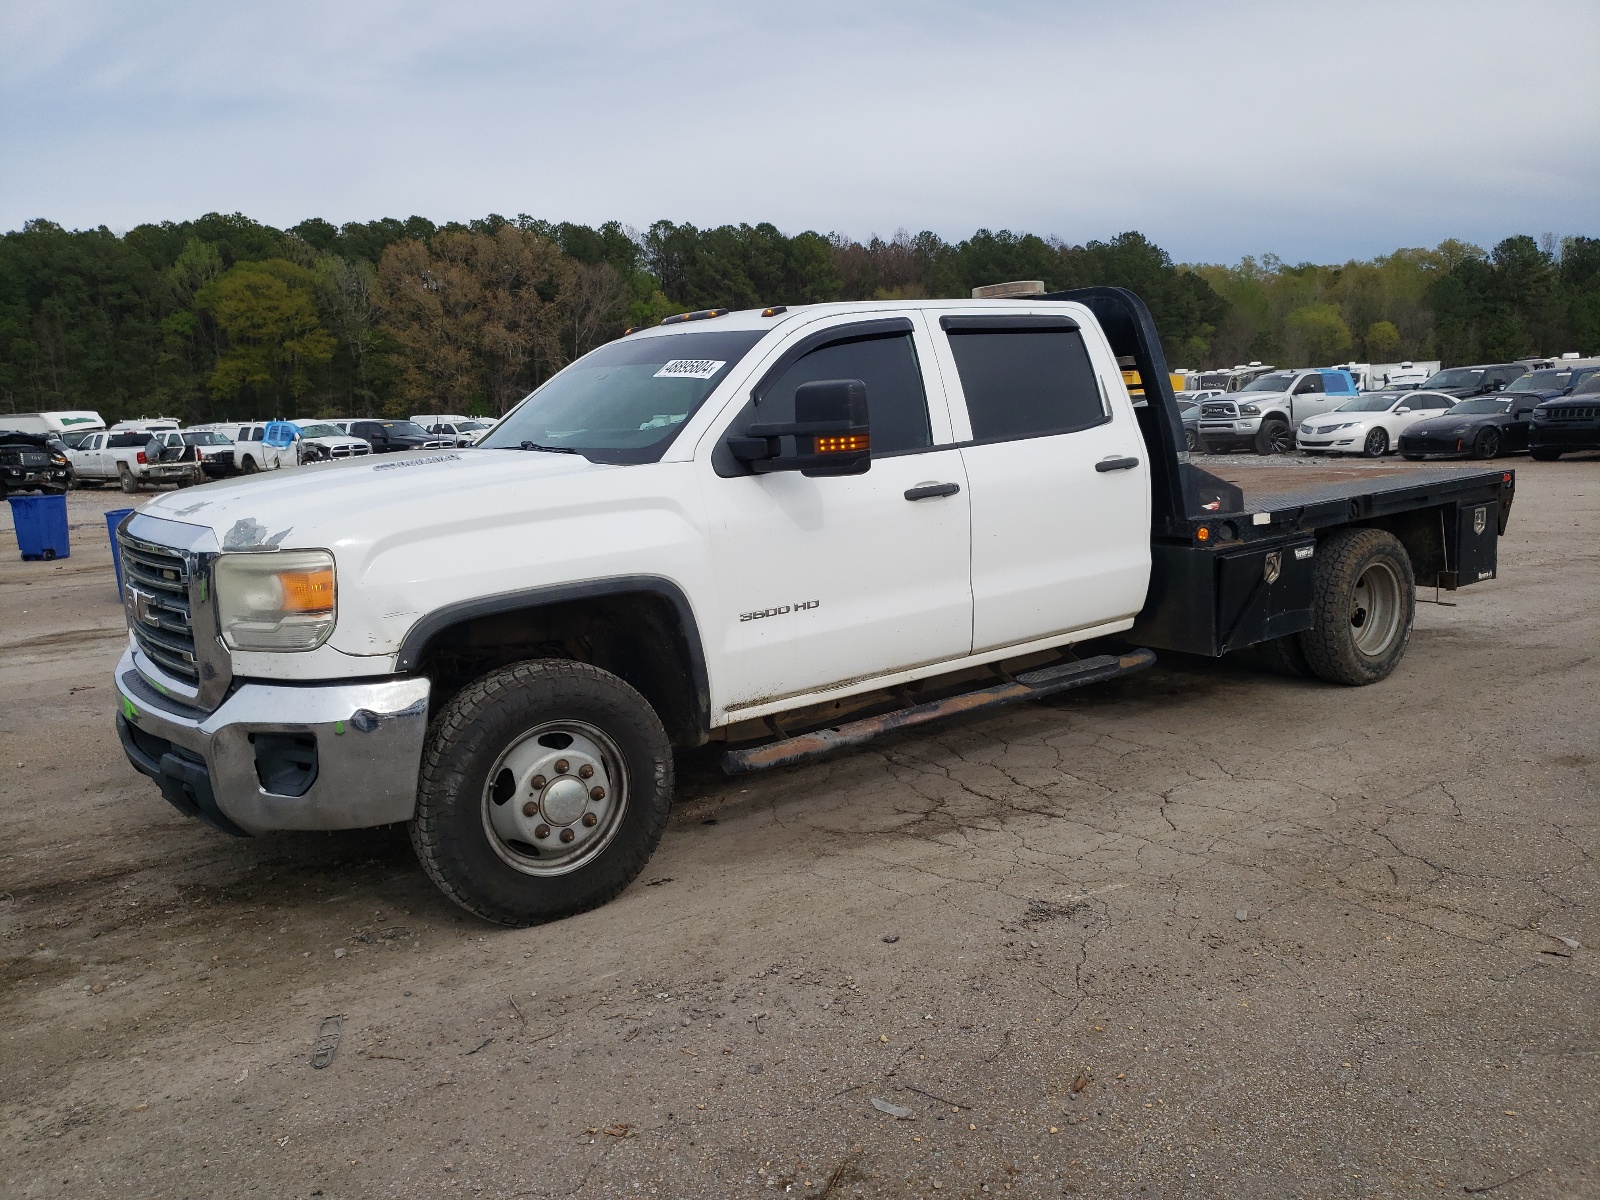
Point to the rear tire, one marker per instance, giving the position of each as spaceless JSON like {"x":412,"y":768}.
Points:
{"x":487,"y":830}
{"x":1544,"y":455}
{"x":1486,"y":444}
{"x":1274,"y":437}
{"x":1376,"y":445}
{"x":130,"y":485}
{"x":1363,"y":603}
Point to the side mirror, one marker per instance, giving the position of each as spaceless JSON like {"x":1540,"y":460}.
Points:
{"x":1400,"y":410}
{"x":830,"y":433}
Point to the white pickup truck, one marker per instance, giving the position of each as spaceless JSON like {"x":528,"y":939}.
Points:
{"x":133,"y":458}
{"x":784,"y":531}
{"x":1265,"y":412}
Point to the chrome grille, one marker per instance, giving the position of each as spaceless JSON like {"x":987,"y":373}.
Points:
{"x":155,"y":596}
{"x":1219,"y":408}
{"x":350,"y":451}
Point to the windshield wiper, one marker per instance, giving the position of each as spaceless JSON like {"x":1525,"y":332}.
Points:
{"x":551,"y":449}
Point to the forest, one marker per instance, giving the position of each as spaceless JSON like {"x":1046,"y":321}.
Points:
{"x":223,"y":317}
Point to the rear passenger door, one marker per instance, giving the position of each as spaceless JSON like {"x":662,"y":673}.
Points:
{"x":1058,"y":475}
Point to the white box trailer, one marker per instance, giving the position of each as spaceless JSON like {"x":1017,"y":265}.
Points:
{"x":1378,"y":377}
{"x":57,"y":423}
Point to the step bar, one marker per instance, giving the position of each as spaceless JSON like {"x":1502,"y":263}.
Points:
{"x":1029,"y":685}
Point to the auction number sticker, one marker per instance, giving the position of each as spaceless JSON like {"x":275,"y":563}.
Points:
{"x":690,"y":368}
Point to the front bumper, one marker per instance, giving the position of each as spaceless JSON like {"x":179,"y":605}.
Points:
{"x":35,"y":477}
{"x":280,"y":756}
{"x":1565,"y":435}
{"x":161,"y":471}
{"x":1455,"y":444}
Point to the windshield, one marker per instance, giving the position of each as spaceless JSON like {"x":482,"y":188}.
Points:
{"x":1482,"y":404}
{"x":1455,"y":377}
{"x":625,"y":402}
{"x":1542,"y":381}
{"x":1589,"y":387}
{"x":403,"y":428}
{"x":205,"y":438}
{"x":1278,"y":381}
{"x":1371,"y":402}
{"x":321,"y":431}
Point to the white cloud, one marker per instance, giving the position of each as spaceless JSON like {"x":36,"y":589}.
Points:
{"x":1312,"y":131}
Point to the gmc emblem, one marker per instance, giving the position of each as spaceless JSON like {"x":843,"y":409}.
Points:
{"x":139,"y":606}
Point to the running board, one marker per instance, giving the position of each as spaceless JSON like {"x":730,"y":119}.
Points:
{"x":1030,"y":685}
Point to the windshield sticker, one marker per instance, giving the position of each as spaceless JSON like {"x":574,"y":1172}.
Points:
{"x":690,"y":368}
{"x":418,"y":462}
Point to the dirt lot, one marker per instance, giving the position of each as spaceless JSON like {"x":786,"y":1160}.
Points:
{"x":1203,"y":932}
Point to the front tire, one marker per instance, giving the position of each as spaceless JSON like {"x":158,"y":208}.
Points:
{"x":1363,"y":603}
{"x":1487,"y":444}
{"x":1376,"y":445}
{"x":1191,"y":440}
{"x":1274,"y":437}
{"x":249,"y":466}
{"x":515,"y":767}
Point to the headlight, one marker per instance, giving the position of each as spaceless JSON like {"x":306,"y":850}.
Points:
{"x":1305,"y":427}
{"x":1249,"y":410}
{"x":279,"y":601}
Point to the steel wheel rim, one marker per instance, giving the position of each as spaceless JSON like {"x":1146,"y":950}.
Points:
{"x":537,"y":794}
{"x":1375,"y":609}
{"x":1377,"y":442}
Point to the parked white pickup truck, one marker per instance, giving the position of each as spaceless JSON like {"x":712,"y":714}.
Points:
{"x":127,"y":457}
{"x":1265,"y":412}
{"x":784,"y":531}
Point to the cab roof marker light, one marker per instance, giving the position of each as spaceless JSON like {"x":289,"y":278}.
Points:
{"x":704,"y":314}
{"x":774,"y":310}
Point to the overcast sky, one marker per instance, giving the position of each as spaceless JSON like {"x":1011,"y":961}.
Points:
{"x":1314,"y":131}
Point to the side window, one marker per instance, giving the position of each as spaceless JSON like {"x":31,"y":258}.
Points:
{"x":896,"y":403}
{"x":1311,"y":384}
{"x":1022,"y":383}
{"x":1440,"y":402}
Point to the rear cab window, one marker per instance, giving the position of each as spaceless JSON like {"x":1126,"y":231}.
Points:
{"x":1024,"y":376}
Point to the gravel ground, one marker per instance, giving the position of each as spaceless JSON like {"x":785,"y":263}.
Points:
{"x":1199,"y":932}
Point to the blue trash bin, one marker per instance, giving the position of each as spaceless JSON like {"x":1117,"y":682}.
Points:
{"x":41,"y":523}
{"x":113,"y":519}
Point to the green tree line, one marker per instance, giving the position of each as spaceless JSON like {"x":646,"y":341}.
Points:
{"x":223,"y":317}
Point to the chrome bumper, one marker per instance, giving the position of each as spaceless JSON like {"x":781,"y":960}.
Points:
{"x":334,"y":756}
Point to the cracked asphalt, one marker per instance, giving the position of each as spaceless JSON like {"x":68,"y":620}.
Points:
{"x":1200,"y":932}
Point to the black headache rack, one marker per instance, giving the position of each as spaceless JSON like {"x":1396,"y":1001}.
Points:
{"x":1233,"y":560}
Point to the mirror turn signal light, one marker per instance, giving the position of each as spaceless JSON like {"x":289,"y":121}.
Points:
{"x":850,"y":443}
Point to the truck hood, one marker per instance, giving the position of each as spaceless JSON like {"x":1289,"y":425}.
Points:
{"x":324,"y":504}
{"x":417,"y":532}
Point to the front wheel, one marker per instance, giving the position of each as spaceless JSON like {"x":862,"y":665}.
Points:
{"x":1376,"y":445}
{"x":1363,"y":602}
{"x":1544,"y":455}
{"x":1274,"y":437}
{"x":1487,"y":444}
{"x":249,"y":466}
{"x":544,"y":790}
{"x":1191,"y":440}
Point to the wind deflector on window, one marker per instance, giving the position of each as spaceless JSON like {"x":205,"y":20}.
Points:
{"x":1001,"y":321}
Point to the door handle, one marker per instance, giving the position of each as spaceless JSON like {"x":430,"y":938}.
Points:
{"x":926,"y":491}
{"x":1116,"y":464}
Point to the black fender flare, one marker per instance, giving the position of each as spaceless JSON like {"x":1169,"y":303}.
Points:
{"x":415,"y":643}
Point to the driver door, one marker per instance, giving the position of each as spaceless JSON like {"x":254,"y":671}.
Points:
{"x":826,"y":581}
